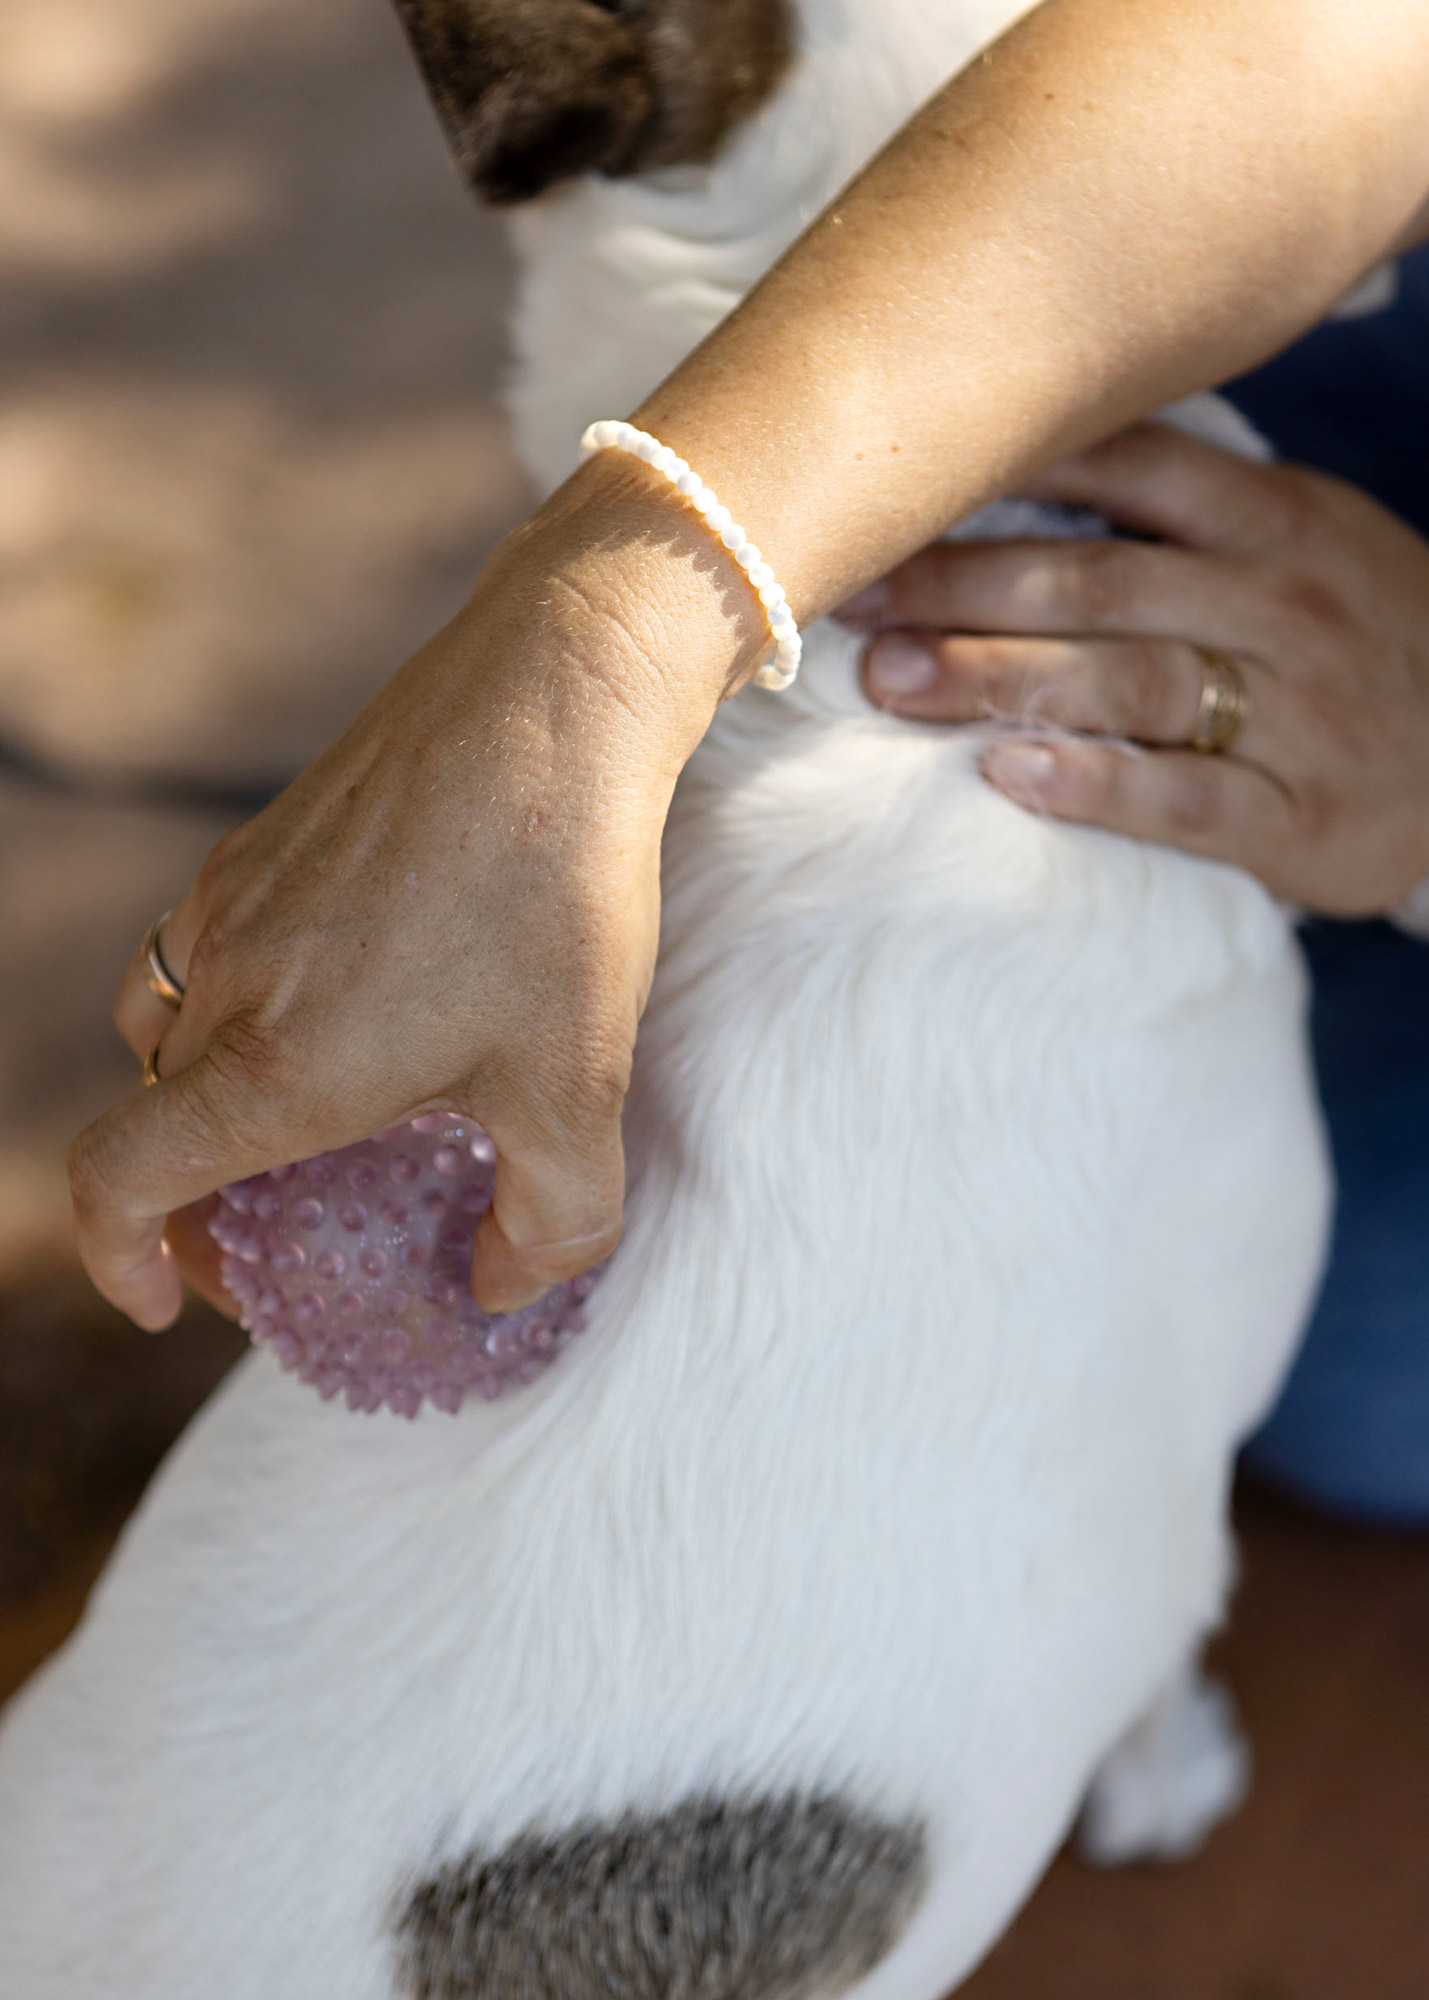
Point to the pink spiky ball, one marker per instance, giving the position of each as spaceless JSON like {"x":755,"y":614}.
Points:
{"x":353,"y":1269}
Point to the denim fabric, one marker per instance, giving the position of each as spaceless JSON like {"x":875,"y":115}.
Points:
{"x":1351,"y":1431}
{"x":1353,"y":398}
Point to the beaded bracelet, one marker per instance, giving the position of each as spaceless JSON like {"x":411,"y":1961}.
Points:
{"x":782,"y":666}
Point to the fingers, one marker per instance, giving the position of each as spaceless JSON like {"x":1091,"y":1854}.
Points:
{"x":1156,"y":480}
{"x":554,"y":1213}
{"x":1148,"y":690}
{"x":1218,"y":807}
{"x":1073,"y":589}
{"x":199,"y":1257}
{"x":154,"y":1152}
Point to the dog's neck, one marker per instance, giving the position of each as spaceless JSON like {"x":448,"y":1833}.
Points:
{"x":621,"y":278}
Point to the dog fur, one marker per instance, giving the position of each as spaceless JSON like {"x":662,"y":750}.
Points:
{"x":533,"y":91}
{"x":977,"y":1196}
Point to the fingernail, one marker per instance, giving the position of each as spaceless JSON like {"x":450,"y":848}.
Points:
{"x":866,"y":605}
{"x":1025,"y":772}
{"x":899,"y":666}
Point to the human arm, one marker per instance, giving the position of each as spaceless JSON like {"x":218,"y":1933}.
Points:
{"x":1115,"y":205}
{"x":459,"y":903}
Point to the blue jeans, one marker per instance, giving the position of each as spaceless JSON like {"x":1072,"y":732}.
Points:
{"x":1351,"y":1431}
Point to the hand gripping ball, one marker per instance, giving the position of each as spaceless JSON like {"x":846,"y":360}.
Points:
{"x":353,"y":1268}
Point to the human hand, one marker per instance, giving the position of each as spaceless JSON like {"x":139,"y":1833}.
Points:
{"x":1318,"y":596}
{"x":456,"y":907}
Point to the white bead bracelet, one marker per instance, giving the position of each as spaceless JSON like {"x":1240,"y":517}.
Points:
{"x":782,"y":666}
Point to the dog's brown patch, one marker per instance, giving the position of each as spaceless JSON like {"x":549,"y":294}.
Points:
{"x":531,"y":92}
{"x":791,"y":1898}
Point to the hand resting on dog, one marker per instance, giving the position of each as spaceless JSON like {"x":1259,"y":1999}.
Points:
{"x":1317,"y":592}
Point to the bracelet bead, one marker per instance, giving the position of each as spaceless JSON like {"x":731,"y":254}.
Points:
{"x":781,"y":666}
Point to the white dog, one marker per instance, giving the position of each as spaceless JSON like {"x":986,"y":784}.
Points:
{"x":766,"y":1648}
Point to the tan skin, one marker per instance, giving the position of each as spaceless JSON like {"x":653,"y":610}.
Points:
{"x":458,"y":904}
{"x":1319,"y":596}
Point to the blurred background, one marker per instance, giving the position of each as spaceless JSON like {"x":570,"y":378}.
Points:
{"x":251,"y":453}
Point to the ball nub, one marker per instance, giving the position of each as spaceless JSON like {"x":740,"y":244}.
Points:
{"x":370,"y":1299}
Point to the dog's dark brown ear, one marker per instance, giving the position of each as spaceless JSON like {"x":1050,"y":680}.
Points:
{"x":530,"y":91}
{"x":534,"y":91}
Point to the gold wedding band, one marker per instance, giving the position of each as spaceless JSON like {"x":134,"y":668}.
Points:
{"x":151,"y":1064}
{"x":162,"y":983}
{"x":1224,"y":705}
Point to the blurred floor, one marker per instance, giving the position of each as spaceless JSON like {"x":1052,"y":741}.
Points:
{"x":1319,"y":1889}
{"x":87,"y":1406}
{"x":250,"y":455}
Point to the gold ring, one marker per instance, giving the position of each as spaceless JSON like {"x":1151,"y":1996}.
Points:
{"x":151,"y":1062}
{"x":1224,"y":704}
{"x":162,"y":983}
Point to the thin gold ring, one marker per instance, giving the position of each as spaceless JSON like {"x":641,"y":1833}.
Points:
{"x":1224,"y":706}
{"x":162,"y":983}
{"x":151,"y":1061}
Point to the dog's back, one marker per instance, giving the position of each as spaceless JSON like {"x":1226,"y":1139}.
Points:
{"x":766,"y":1646}
{"x":883,"y":1493}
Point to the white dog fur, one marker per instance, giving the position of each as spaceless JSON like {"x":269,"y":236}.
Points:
{"x":978,"y":1193}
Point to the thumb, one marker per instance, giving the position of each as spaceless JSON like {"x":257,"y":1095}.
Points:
{"x":555,"y":1211}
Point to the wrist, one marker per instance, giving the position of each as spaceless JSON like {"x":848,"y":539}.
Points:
{"x":632,"y":594}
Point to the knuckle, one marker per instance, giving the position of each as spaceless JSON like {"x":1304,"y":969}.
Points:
{"x":92,"y":1168}
{"x":88,"y":1179}
{"x":1312,"y":611}
{"x":222,"y":858}
{"x":1292,"y":502}
{"x":1316,"y":812}
{"x":212,"y":953}
{"x":1143,"y":688}
{"x":1098,"y":584}
{"x":1095,"y":784}
{"x":1149,"y":453}
{"x":592,"y":1093}
{"x":1192,"y":802}
{"x":1341,"y":709}
{"x":565,"y":1100}
{"x":249,"y":1071}
{"x":550,"y":1263}
{"x":125,"y":1013}
{"x":930,"y":572}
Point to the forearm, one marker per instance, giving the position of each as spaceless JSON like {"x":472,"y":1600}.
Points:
{"x":1117,"y":204}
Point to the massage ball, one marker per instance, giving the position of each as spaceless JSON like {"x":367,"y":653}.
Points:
{"x":353,"y":1269}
